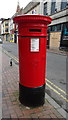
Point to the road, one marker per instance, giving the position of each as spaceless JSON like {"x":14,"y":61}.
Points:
{"x":55,"y":74}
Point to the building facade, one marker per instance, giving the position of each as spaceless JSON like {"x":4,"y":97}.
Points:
{"x":11,"y":30}
{"x":58,"y":29}
{"x":13,"y":26}
{"x":32,"y":8}
{"x":5,"y":29}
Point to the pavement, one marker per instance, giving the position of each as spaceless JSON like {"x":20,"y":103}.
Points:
{"x":58,"y":51}
{"x":13,"y":109}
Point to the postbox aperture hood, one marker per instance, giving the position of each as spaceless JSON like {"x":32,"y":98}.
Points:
{"x":32,"y":19}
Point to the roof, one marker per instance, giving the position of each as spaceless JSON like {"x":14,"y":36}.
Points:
{"x":5,"y":19}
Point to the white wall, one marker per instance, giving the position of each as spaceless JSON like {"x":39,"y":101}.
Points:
{"x":37,"y":8}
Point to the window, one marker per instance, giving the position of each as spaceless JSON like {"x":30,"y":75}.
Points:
{"x":59,"y":27}
{"x":45,"y":8}
{"x":53,"y":28}
{"x":56,"y":28}
{"x":63,"y":4}
{"x":6,"y":23}
{"x":53,"y":4}
{"x":65,"y":31}
{"x":49,"y":29}
{"x":6,"y":30}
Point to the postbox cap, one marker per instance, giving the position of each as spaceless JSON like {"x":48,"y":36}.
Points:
{"x":32,"y":19}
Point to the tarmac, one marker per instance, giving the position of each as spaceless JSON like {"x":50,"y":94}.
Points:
{"x":13,"y":109}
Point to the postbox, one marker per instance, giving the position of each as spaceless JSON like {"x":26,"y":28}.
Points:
{"x":32,"y":35}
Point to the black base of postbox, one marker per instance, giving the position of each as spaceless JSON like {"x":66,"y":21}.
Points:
{"x":32,"y":96}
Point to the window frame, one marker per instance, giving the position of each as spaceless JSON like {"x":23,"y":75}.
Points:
{"x":53,"y":6}
{"x":45,"y":8}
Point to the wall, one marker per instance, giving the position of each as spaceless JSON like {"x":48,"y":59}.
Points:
{"x":37,"y":8}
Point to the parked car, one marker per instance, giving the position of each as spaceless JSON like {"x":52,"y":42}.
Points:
{"x":1,"y":41}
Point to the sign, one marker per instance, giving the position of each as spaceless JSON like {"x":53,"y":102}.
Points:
{"x":34,"y":44}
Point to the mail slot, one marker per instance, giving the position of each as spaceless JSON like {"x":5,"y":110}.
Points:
{"x":35,"y":30}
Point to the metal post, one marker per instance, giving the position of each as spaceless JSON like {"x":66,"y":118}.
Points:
{"x":10,"y":62}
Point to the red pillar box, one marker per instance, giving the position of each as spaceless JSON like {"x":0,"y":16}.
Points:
{"x":32,"y":30}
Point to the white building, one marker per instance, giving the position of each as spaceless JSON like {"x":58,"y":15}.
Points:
{"x":5,"y":29}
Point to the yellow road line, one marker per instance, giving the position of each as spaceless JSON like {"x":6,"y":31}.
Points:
{"x":57,"y":87}
{"x":57,"y":92}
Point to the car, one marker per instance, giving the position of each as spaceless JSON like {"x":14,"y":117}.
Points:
{"x":1,"y":41}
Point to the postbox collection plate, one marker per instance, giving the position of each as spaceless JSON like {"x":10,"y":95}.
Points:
{"x":34,"y":45}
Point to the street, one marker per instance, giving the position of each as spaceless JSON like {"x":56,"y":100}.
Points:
{"x":55,"y":74}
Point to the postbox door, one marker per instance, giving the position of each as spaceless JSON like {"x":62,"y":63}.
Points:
{"x":32,"y":61}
